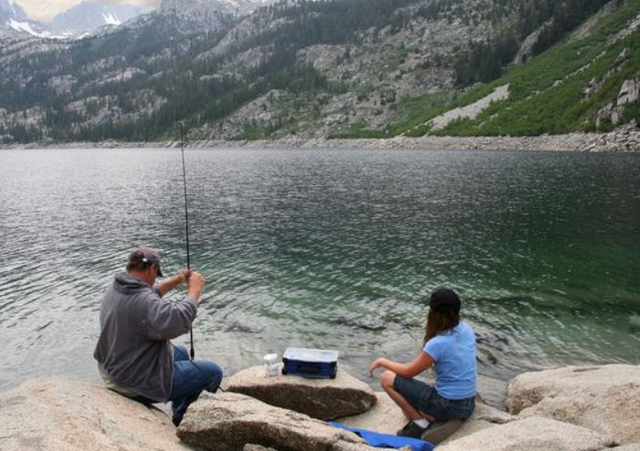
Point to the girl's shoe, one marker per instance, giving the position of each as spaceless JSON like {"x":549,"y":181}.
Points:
{"x":438,"y":431}
{"x":411,"y":430}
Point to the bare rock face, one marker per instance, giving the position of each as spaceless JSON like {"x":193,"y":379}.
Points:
{"x":75,"y":416}
{"x":632,"y":447}
{"x":531,"y":434}
{"x":324,"y":399}
{"x":602,"y":398}
{"x":229,"y":421}
{"x":386,"y":418}
{"x":252,"y":447}
{"x":483,"y":417}
{"x":470,"y":111}
{"x":629,"y":92}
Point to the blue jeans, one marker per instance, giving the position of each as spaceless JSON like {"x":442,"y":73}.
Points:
{"x":426,"y":399}
{"x":190,"y":378}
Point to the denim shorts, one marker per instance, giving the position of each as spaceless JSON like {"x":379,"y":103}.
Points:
{"x":426,"y":399}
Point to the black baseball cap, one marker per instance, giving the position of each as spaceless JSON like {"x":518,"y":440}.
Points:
{"x":146,"y":255}
{"x":444,"y":298}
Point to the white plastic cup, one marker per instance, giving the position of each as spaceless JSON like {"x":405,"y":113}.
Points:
{"x":271,"y":365}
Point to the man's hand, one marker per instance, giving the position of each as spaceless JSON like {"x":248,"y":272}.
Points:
{"x":169,"y":284}
{"x":196,"y":284}
{"x":183,"y":275}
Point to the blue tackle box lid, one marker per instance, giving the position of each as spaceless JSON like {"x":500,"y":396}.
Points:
{"x":311,"y":355}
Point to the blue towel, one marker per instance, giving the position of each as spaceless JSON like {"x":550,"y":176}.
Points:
{"x":387,"y":440}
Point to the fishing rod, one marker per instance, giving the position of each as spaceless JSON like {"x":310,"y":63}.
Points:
{"x":186,"y":224}
{"x":184,"y":168}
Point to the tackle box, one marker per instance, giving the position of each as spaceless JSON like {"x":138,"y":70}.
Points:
{"x":310,"y":363}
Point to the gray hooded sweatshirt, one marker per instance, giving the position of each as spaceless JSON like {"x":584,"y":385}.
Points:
{"x":136,"y":325}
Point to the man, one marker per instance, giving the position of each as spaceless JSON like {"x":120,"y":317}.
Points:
{"x":134,"y":354}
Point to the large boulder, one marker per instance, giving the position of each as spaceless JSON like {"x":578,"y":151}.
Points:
{"x":531,"y":434}
{"x":229,"y":421}
{"x":603,"y":398}
{"x":324,"y":399}
{"x":492,"y":391}
{"x":75,"y":416}
{"x":386,"y":417}
{"x":483,"y":417}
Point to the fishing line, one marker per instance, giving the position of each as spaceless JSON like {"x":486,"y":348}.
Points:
{"x":173,"y":40}
{"x":186,"y":224}
{"x":186,"y":214}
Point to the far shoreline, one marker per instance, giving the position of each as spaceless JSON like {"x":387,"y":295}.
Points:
{"x":624,"y":140}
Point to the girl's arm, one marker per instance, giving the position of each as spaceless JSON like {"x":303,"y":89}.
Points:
{"x":417,"y":366}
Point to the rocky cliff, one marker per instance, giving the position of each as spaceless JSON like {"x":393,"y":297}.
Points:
{"x":340,"y":68}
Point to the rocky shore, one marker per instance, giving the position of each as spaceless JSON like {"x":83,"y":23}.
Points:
{"x":567,"y":409}
{"x":624,"y":139}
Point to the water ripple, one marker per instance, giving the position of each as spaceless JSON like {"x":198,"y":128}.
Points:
{"x":327,"y":249}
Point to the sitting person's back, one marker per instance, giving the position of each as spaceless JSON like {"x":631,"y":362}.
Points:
{"x":450,"y":347}
{"x":134,"y":354}
{"x":454,"y":355}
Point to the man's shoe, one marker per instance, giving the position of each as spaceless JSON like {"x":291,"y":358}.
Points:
{"x":411,"y":430}
{"x":439,"y":431}
{"x":177,"y":419}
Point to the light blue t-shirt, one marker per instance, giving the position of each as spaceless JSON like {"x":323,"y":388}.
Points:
{"x":454,"y":353}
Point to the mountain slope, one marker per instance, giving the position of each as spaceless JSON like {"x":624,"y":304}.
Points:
{"x":315,"y":69}
{"x":584,"y":85}
{"x":307,"y":65}
{"x":10,"y":11}
{"x":589,"y":82}
{"x":14,"y":19}
{"x":240,"y":7}
{"x":88,"y":16}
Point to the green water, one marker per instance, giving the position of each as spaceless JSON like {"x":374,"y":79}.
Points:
{"x":331,"y":249}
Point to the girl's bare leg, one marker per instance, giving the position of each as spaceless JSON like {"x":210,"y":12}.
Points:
{"x":386,"y":381}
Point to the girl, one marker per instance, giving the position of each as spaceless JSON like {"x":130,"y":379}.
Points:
{"x":450,"y":346}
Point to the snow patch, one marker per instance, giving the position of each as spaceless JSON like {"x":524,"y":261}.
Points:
{"x":111,"y":19}
{"x":28,"y":28}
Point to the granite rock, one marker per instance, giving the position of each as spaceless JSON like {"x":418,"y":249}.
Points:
{"x":631,"y":447}
{"x":531,"y":434}
{"x":324,"y":399}
{"x":229,"y":421}
{"x":603,"y":398}
{"x":386,"y":417}
{"x":76,"y":416}
{"x":483,"y":417}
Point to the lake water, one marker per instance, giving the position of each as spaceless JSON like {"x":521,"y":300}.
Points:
{"x":331,"y":249}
